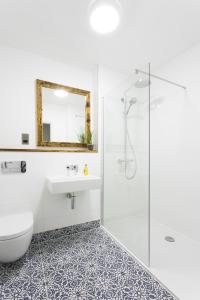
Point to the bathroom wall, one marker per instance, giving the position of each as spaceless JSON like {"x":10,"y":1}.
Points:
{"x":175,"y":144}
{"x":19,"y":192}
{"x":19,"y":70}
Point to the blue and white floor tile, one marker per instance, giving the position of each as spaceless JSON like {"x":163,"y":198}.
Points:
{"x":70,"y":264}
{"x":24,"y":279}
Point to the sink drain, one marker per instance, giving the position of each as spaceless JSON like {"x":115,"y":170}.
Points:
{"x":169,"y":239}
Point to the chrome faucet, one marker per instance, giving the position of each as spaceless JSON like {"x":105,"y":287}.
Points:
{"x":71,"y":168}
{"x":75,"y":169}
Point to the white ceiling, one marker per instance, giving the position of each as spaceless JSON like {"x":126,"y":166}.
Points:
{"x":151,"y":30}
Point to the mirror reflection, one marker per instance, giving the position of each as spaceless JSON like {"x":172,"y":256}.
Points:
{"x":63,"y":117}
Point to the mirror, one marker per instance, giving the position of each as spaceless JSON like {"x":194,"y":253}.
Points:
{"x":63,"y":115}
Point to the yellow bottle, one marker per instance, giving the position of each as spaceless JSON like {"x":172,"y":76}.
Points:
{"x":85,"y":170}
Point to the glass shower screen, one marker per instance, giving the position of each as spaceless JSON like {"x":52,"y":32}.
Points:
{"x":126,"y":163}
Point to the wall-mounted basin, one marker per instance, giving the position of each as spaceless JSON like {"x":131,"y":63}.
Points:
{"x":70,"y":184}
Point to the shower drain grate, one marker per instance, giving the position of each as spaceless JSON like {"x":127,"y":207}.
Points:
{"x":169,"y":239}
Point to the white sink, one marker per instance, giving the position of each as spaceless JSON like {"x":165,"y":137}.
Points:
{"x":70,"y":184}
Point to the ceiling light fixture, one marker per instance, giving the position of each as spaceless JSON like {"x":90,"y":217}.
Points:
{"x":61,"y":93}
{"x":104,"y":15}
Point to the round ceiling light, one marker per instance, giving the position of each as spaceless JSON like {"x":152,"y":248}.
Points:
{"x":104,"y":15}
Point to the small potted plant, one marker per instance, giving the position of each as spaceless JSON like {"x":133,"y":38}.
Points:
{"x":89,"y":140}
{"x":81,"y":138}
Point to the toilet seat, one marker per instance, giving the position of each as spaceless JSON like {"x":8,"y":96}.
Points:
{"x":15,"y":225}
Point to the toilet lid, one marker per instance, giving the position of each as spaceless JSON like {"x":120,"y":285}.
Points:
{"x":15,"y":225}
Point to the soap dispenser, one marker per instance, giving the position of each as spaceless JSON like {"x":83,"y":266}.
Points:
{"x":85,"y":170}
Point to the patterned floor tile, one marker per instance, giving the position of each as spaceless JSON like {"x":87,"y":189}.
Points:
{"x":84,"y":265}
{"x":92,"y":267}
{"x":75,"y":247}
{"x":23,"y":279}
{"x":57,"y":233}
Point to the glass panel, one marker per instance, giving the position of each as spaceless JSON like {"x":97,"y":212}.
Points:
{"x":175,"y":247}
{"x":126,"y":163}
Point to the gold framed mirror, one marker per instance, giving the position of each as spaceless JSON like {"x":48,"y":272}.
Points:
{"x":63,"y":115}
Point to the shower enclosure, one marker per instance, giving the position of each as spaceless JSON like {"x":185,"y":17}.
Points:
{"x":144,"y":119}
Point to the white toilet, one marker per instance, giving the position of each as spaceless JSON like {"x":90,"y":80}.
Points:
{"x":16,"y":231}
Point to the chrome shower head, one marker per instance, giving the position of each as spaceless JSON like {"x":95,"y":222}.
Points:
{"x":131,"y":102}
{"x":141,"y":82}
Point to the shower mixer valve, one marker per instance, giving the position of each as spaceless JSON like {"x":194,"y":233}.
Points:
{"x":121,"y":161}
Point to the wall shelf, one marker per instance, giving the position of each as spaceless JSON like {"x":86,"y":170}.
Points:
{"x":47,"y":150}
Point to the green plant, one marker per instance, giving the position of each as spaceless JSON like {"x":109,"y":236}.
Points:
{"x":89,"y":137}
{"x":81,"y":138}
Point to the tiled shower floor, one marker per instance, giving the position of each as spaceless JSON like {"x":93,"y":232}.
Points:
{"x":85,"y":265}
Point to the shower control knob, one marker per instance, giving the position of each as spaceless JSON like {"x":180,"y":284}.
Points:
{"x":121,"y":161}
